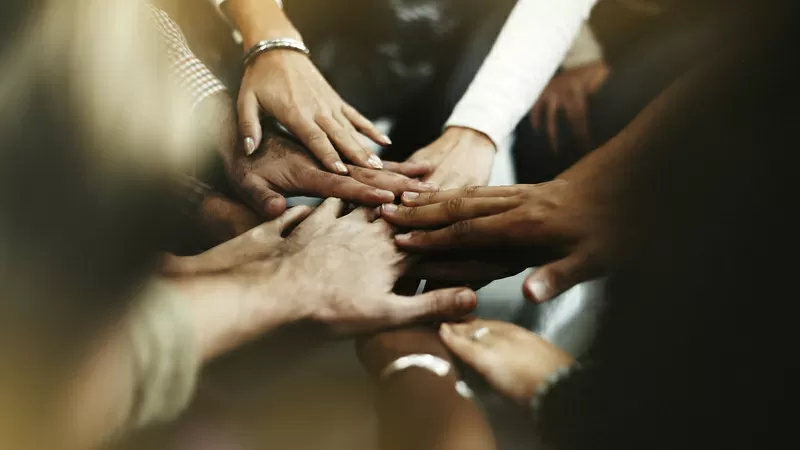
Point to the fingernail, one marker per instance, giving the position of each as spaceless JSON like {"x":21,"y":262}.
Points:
{"x":445,"y":329}
{"x":375,"y":162}
{"x":389,"y":195}
{"x":429,"y":186}
{"x":389,"y":208}
{"x":386,"y":140}
{"x":540,"y":290}
{"x":249,"y":146}
{"x":464,"y":299}
{"x":340,"y":167}
{"x":404,"y":237}
{"x":410,"y":195}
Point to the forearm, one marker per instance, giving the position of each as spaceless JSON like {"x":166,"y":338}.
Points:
{"x":418,"y":409}
{"x":258,"y":20}
{"x":114,"y":392}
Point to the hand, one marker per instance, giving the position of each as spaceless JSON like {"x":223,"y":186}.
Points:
{"x":342,"y":269}
{"x":474,"y":268}
{"x":569,"y":91}
{"x":282,"y":167}
{"x":512,"y":359}
{"x":460,"y":157}
{"x":287,"y":85}
{"x":555,"y":222}
{"x":222,"y":219}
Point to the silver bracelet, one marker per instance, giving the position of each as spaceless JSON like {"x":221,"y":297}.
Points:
{"x":274,"y":44}
{"x":431,"y":363}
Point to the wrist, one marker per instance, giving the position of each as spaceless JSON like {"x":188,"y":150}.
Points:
{"x":230,"y":309}
{"x":471,"y":138}
{"x":378,"y":351}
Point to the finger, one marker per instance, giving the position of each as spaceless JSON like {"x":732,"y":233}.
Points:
{"x":450,"y":303}
{"x":577,"y":116}
{"x":325,"y":184}
{"x":249,"y":122}
{"x":389,"y":181}
{"x":316,"y":140}
{"x":364,"y":126}
{"x":536,"y":113}
{"x":419,"y":199}
{"x":291,"y":218}
{"x":551,"y":280}
{"x":480,"y":232}
{"x":552,"y":124}
{"x":409,"y":168}
{"x":266,"y":201}
{"x":471,"y":352}
{"x":342,"y":138}
{"x":364,"y":214}
{"x":330,"y":208}
{"x":454,"y":210}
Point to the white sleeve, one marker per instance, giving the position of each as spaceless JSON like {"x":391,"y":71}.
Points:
{"x":526,"y":54}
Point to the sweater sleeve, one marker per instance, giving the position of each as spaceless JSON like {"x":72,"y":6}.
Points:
{"x":526,"y":54}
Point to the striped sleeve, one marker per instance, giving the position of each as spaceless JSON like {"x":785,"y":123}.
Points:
{"x":192,"y":75}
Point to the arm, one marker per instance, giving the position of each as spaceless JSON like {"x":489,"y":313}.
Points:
{"x":418,"y":409}
{"x":529,"y":49}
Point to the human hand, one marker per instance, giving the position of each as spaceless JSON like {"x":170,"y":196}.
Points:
{"x":569,"y":91}
{"x":460,"y":157}
{"x":282,"y":167}
{"x":287,"y":85}
{"x":222,"y":219}
{"x":342,"y":269}
{"x":512,"y":359}
{"x":557,"y":223}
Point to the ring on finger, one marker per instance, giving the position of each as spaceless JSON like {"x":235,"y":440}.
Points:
{"x":479,"y":333}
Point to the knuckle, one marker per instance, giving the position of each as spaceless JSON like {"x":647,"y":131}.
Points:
{"x":471,"y":191}
{"x":453,"y":206}
{"x":462,"y":228}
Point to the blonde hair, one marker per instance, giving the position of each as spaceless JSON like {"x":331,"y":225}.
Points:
{"x":90,"y":130}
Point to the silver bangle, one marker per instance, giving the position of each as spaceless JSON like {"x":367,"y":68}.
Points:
{"x":431,"y":363}
{"x":274,"y":44}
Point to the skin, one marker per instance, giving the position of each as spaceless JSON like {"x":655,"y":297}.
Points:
{"x":568,"y":93}
{"x":566,"y":221}
{"x":416,"y":400}
{"x":285,"y":84}
{"x":334,"y":268}
{"x":281,"y":166}
{"x":512,"y":359}
{"x":297,"y":94}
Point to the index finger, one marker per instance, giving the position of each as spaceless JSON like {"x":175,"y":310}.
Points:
{"x":454,"y":210}
{"x":480,"y":232}
{"x":417,"y":199}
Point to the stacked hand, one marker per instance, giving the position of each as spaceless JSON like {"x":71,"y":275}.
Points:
{"x":512,"y":359}
{"x":281,"y":166}
{"x":460,"y":157}
{"x":556,"y":223}
{"x":334,"y":267}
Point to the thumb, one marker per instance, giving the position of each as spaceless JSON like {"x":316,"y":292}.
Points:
{"x":451,"y":303}
{"x":249,"y":123}
{"x":267,"y":202}
{"x":551,"y":280}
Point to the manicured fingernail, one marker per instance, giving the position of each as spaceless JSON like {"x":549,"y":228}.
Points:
{"x":375,"y":162}
{"x":340,"y":167}
{"x":388,"y":195}
{"x":410,"y":195}
{"x":465,"y":299}
{"x":249,"y":146}
{"x":386,"y":140}
{"x":429,"y":186}
{"x":389,"y":208}
{"x":540,"y":290}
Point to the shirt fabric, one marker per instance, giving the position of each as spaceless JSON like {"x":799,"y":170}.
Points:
{"x":192,"y":75}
